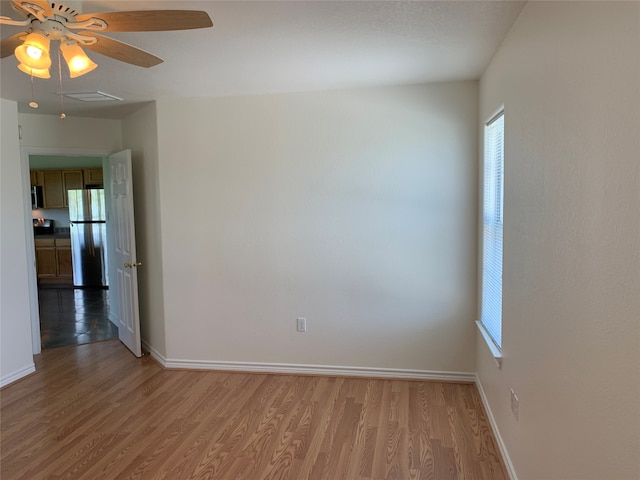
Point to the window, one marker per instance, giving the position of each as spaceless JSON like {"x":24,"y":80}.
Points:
{"x":492,"y":213}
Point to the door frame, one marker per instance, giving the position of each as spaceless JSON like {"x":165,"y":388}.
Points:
{"x":25,"y":153}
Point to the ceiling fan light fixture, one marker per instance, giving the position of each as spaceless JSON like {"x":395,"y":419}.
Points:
{"x":34,"y":52}
{"x":77,"y":61}
{"x":36,"y":72}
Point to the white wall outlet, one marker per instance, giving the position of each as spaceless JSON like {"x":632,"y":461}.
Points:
{"x":302,"y":324}
{"x":515,"y":405}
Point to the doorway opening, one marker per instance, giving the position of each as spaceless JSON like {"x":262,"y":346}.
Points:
{"x":119,"y":246}
{"x":70,"y":312}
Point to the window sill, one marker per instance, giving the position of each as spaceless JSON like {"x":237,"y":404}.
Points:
{"x":495,"y":351}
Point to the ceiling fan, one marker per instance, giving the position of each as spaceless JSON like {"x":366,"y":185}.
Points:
{"x":46,"y":21}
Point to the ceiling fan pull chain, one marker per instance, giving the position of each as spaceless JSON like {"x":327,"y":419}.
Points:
{"x":32,"y":103}
{"x":62,"y":114}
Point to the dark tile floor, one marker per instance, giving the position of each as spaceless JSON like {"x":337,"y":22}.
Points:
{"x":72,"y":316}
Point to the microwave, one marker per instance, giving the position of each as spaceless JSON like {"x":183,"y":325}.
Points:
{"x":37,"y":197}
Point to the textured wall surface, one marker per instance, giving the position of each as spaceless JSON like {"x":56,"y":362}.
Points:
{"x":16,"y":357}
{"x":355,"y":209}
{"x":568,"y":75}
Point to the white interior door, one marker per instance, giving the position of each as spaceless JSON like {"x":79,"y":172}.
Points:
{"x":124,"y":251}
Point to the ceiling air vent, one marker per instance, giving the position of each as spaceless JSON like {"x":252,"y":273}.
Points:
{"x":93,"y":97}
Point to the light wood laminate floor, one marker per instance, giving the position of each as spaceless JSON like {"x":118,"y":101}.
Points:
{"x":96,"y":412}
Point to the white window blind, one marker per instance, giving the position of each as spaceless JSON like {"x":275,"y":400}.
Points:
{"x":491,"y":309}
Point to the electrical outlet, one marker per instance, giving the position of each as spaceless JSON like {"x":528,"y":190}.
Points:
{"x":302,"y":324}
{"x":515,"y":405}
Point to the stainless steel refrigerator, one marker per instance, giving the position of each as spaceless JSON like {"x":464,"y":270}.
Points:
{"x":88,"y":228}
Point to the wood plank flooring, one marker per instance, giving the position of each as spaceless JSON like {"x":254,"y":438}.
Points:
{"x":96,"y":412}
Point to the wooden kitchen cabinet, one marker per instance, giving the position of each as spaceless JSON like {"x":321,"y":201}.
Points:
{"x":93,"y":176}
{"x":34,"y":178}
{"x":63,"y":259}
{"x":53,"y":260}
{"x":56,"y":183}
{"x":46,"y":263}
{"x":52,"y":188}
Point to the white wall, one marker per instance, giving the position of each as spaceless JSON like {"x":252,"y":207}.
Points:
{"x":16,"y":359}
{"x":569,"y":76}
{"x":354,"y":209}
{"x":140,"y":135}
{"x":71,"y":133}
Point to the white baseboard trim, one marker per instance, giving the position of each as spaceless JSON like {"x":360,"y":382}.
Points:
{"x":297,"y":369}
{"x":154,"y":353}
{"x":15,"y":376}
{"x":496,"y":433}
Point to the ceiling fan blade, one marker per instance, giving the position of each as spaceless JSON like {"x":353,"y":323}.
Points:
{"x":150,"y":20}
{"x":9,"y":44}
{"x":43,"y":4}
{"x":121,"y":51}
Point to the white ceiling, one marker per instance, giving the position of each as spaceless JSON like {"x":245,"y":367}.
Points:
{"x":263,"y":47}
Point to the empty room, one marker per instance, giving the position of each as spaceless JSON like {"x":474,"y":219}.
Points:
{"x":339,"y":240}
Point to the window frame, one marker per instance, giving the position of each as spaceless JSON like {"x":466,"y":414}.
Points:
{"x":492,"y":202}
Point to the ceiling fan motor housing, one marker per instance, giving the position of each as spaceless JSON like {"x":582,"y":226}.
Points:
{"x":57,"y":9}
{"x":53,"y":29}
{"x":62,"y":10}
